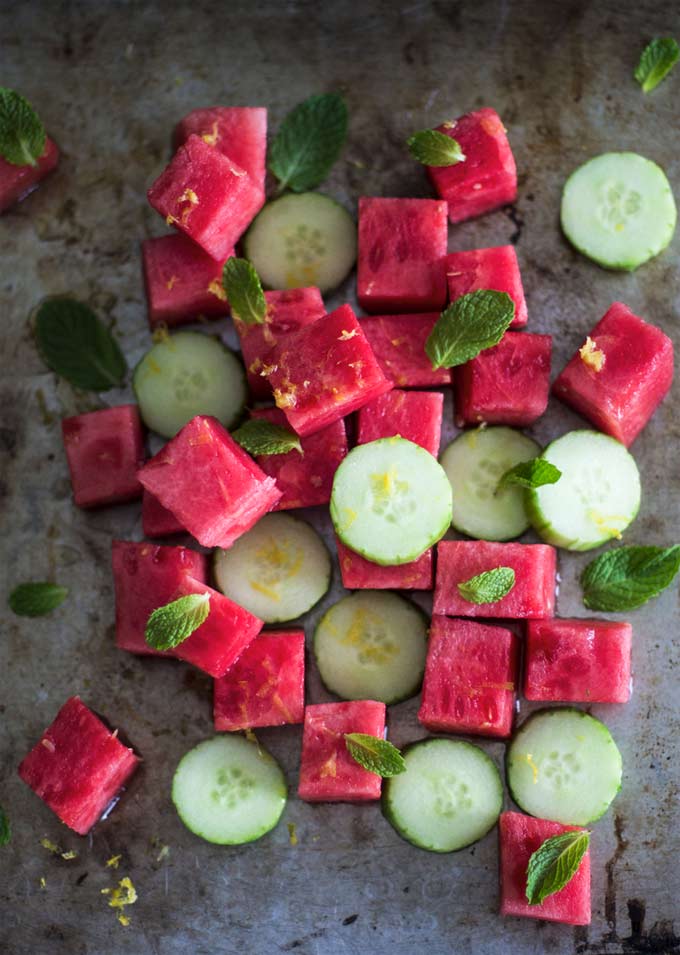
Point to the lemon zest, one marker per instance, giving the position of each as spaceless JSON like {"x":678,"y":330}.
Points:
{"x":591,"y":355}
{"x":292,"y":836}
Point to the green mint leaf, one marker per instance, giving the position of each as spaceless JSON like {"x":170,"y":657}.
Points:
{"x":36,"y":599}
{"x":77,"y":346}
{"x":554,"y":864}
{"x":309,"y":141}
{"x":5,"y":828}
{"x":170,"y":625}
{"x":533,"y":473}
{"x":625,"y":578}
{"x":244,"y":291}
{"x":22,"y":135}
{"x":657,"y":60}
{"x":472,"y":323}
{"x":432,"y":148}
{"x":259,"y":436}
{"x":375,"y":754}
{"x":488,"y":587}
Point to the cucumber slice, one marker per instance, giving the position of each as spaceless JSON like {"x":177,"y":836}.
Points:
{"x":564,"y":765}
{"x":596,"y":498}
{"x":450,"y":795}
{"x":277,"y":570}
{"x":372,"y":646}
{"x":391,"y":500}
{"x":185,"y":375}
{"x":474,"y":463}
{"x":618,"y":209}
{"x":300,"y":240}
{"x":229,"y":790}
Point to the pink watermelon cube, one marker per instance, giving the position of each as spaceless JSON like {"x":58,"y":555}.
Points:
{"x":487,"y":179}
{"x":361,"y":574}
{"x":266,"y":685}
{"x":470,"y":682}
{"x":327,"y":771}
{"x":507,"y":384}
{"x":414,"y":415}
{"x":207,"y":196}
{"x":519,"y":837}
{"x":214,"y":489}
{"x":402,"y":244}
{"x":533,"y":594}
{"x":578,"y":661}
{"x":398,"y":342}
{"x":158,"y":521}
{"x":16,"y":182}
{"x":104,"y":451}
{"x":620,"y":375}
{"x":496,"y":268}
{"x":78,"y":766}
{"x":324,"y":371}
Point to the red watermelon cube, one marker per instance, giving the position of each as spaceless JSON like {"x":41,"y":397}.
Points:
{"x":400,"y":264}
{"x":158,"y":521}
{"x":214,"y":489}
{"x":470,"y":682}
{"x":78,"y":766}
{"x":414,"y":415}
{"x":327,"y":771}
{"x":507,"y":384}
{"x":324,"y":371}
{"x":398,"y":342}
{"x":207,"y":196}
{"x":519,"y":837}
{"x":620,"y":375}
{"x":487,"y":179}
{"x":496,"y":268}
{"x":104,"y":451}
{"x":16,"y":182}
{"x":266,"y":685}
{"x":578,"y":661}
{"x":533,"y":594}
{"x":361,"y":574}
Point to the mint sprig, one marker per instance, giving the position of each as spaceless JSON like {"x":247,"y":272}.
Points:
{"x":170,"y":625}
{"x":244,"y":291}
{"x":308,"y":142}
{"x":625,"y":578}
{"x":489,"y":586}
{"x":22,"y":135}
{"x":554,"y":864}
{"x":36,"y":598}
{"x":5,"y":828}
{"x":259,"y":436}
{"x":657,"y":60}
{"x":374,"y":754}
{"x":433,"y":148}
{"x":469,"y":325}
{"x":530,"y":474}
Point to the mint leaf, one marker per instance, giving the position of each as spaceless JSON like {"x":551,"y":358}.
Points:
{"x":36,"y":599}
{"x":627,"y":577}
{"x":657,"y":60}
{"x":472,"y":323}
{"x":22,"y":135}
{"x":554,"y":864}
{"x":308,"y":142}
{"x":432,"y":148}
{"x":533,"y":473}
{"x":5,"y":828}
{"x":375,"y":754}
{"x":259,"y":436}
{"x":488,"y":587}
{"x":77,"y":346}
{"x":244,"y":291}
{"x":170,"y":625}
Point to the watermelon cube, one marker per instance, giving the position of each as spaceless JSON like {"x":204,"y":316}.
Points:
{"x":324,"y":371}
{"x":470,"y":678}
{"x":361,"y":574}
{"x":487,"y":179}
{"x":519,"y":837}
{"x":158,"y":521}
{"x":104,"y":451}
{"x":533,"y":594}
{"x":16,"y":182}
{"x":402,"y":244}
{"x":496,"y":268}
{"x":327,"y":772}
{"x":620,"y":375}
{"x":507,"y":384}
{"x":266,"y":685}
{"x":398,"y":342}
{"x":414,"y":415}
{"x":78,"y":766}
{"x":577,"y":661}
{"x":207,"y":196}
{"x":214,"y":489}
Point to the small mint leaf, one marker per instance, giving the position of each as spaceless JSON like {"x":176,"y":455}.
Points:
{"x":36,"y":599}
{"x":657,"y":60}
{"x":22,"y":135}
{"x":170,"y":625}
{"x":308,"y":142}
{"x":489,"y":586}
{"x":472,"y":323}
{"x":5,"y":828}
{"x":244,"y":291}
{"x":554,"y":864}
{"x":375,"y":754}
{"x":259,"y":436}
{"x":625,"y":578}
{"x":533,"y":473}
{"x":432,"y":148}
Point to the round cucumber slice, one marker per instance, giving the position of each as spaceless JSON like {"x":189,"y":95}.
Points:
{"x":564,"y":765}
{"x":372,"y":646}
{"x":596,"y":498}
{"x":391,"y":500}
{"x":229,"y":790}
{"x":474,"y":463}
{"x":450,"y":795}
{"x":302,"y":239}
{"x":187,"y":374}
{"x":277,"y":570}
{"x":618,"y":209}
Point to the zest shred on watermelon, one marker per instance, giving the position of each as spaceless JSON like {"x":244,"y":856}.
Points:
{"x":496,"y":268}
{"x":414,"y":415}
{"x":16,"y":182}
{"x":398,"y":343}
{"x":361,"y":574}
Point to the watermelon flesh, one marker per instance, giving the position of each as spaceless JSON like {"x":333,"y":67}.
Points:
{"x":361,"y":574}
{"x":158,"y":521}
{"x":414,"y":415}
{"x":398,"y":342}
{"x":496,"y":268}
{"x":16,"y":182}
{"x":78,"y":766}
